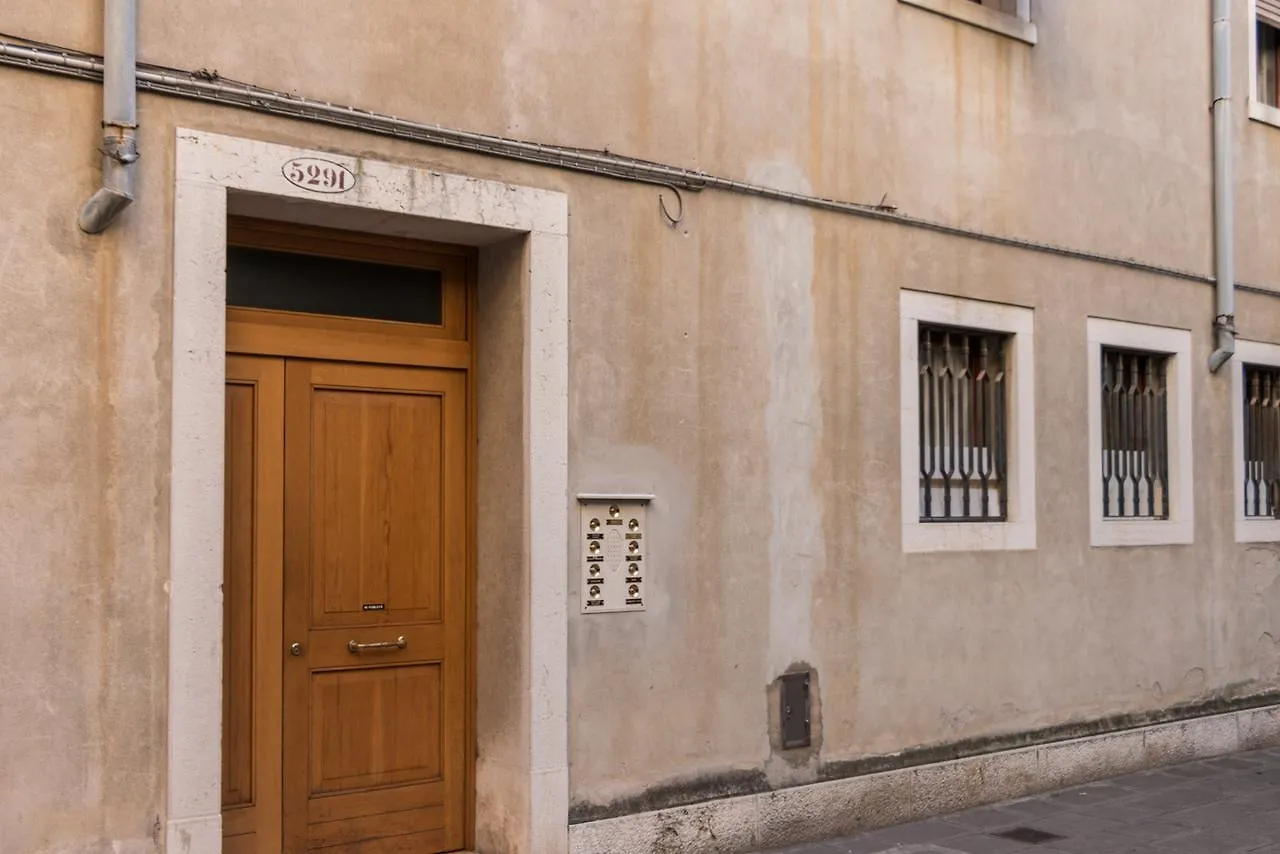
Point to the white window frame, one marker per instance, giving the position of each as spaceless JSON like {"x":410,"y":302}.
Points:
{"x":1018,"y":531}
{"x":1258,"y":111}
{"x":1019,"y":26}
{"x":1179,"y":528}
{"x":1248,"y":530}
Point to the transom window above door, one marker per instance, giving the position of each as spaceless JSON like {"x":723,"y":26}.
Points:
{"x":351,"y":286}
{"x":339,"y":287}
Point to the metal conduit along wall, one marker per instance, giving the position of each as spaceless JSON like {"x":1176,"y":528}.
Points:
{"x":206,"y":86}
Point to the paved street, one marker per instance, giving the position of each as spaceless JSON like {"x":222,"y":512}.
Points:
{"x":1216,"y":806}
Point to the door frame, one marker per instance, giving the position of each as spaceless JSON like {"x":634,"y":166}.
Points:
{"x":522,"y":237}
{"x":449,"y":346}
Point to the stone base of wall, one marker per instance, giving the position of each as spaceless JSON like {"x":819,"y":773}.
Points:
{"x":856,"y":804}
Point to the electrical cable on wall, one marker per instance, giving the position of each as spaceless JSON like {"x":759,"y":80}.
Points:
{"x":197,"y":85}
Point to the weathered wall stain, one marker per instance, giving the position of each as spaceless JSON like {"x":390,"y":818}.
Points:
{"x":754,"y":370}
{"x":713,"y":786}
{"x":781,"y":245}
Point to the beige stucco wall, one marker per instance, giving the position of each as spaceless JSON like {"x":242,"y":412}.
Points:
{"x":741,"y":366}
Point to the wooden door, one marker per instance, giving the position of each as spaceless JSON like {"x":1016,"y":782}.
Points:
{"x":252,"y":555}
{"x":374,"y":708}
{"x":347,"y":522}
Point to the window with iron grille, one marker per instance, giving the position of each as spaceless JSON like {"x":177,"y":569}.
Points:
{"x":963,"y":425}
{"x":1135,"y":434}
{"x":1261,"y":442}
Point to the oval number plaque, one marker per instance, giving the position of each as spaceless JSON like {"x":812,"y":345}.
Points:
{"x":319,"y":176}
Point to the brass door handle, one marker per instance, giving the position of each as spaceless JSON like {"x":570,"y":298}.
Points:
{"x":398,"y":643}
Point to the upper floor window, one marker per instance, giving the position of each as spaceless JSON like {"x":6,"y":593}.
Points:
{"x":1264,"y":43}
{"x":1008,"y":7}
{"x":1010,"y":18}
{"x":1268,"y":51}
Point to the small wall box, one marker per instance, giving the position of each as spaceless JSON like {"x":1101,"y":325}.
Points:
{"x":616,"y":569}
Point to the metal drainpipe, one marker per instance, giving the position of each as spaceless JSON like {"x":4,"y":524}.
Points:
{"x":1224,"y":228}
{"x":119,"y":116}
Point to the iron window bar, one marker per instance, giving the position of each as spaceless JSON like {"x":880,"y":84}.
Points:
{"x":1261,"y":442}
{"x":1135,"y":434}
{"x":963,"y":432}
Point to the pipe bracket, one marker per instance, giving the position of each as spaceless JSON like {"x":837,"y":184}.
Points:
{"x":123,"y":148}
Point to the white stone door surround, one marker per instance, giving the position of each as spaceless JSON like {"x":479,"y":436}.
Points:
{"x":528,"y":783}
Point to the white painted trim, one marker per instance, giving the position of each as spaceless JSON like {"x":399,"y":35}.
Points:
{"x":1179,"y":528}
{"x":844,"y":807}
{"x":1253,"y":353}
{"x":1018,"y":27}
{"x":1252,"y":26}
{"x":1264,"y":113}
{"x":208,"y":167}
{"x":1019,"y":532}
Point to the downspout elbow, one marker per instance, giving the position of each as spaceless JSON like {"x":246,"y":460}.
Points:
{"x":1226,"y":329}
{"x":119,"y":153}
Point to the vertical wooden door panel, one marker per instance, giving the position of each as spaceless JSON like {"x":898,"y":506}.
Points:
{"x":237,"y":596}
{"x":376,"y":482}
{"x":252,"y":564}
{"x":375,"y":594}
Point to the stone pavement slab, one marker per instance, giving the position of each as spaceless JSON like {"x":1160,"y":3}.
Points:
{"x":1216,"y":806}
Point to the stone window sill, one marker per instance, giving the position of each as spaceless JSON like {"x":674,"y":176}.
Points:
{"x":979,"y":16}
{"x":1142,"y":532}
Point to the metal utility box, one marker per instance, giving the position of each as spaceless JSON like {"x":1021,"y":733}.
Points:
{"x":795,"y":710}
